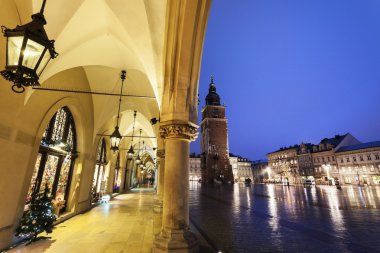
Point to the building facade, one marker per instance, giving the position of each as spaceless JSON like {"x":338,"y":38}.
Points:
{"x":241,"y":168}
{"x":341,"y":159}
{"x":214,"y":140}
{"x":358,"y":164}
{"x":324,"y":158}
{"x":234,"y":166}
{"x":284,"y":165}
{"x":195,"y":172}
{"x":305,"y":161}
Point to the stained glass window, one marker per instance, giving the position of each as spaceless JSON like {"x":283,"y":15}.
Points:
{"x":59,"y":125}
{"x":70,"y":135}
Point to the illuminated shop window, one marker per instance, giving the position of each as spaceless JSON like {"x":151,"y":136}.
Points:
{"x":98,"y":183}
{"x":55,"y":158}
{"x":117,"y":181}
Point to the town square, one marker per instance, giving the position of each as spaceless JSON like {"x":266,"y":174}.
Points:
{"x":189,"y":126}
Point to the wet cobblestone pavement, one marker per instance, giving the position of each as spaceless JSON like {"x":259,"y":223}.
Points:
{"x":275,"y":218}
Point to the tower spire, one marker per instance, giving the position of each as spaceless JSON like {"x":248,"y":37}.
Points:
{"x":212,"y":97}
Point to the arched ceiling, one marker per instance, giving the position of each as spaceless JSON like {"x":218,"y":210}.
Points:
{"x":126,"y":128}
{"x":104,"y":37}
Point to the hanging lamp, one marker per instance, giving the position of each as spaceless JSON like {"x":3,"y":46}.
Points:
{"x":130,"y":151}
{"x":116,"y":136}
{"x":142,"y":165}
{"x":28,"y":52}
{"x":138,"y":159}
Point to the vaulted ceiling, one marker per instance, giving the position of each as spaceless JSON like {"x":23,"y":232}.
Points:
{"x":103,"y":37}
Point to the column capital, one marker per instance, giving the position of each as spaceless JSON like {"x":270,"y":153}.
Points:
{"x":178,"y":130}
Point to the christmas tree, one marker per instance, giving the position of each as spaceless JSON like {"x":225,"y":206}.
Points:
{"x":38,"y":217}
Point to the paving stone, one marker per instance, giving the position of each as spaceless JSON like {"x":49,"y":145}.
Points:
{"x":272,"y":218}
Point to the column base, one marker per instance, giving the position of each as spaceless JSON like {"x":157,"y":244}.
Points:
{"x":158,"y":206}
{"x":157,"y":216}
{"x":176,"y":241}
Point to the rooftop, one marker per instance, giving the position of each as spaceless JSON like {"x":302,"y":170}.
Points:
{"x":360,"y":146}
{"x":333,"y":141}
{"x":285,"y":148}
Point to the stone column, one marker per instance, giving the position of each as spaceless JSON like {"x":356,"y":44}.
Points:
{"x":127,"y":176}
{"x":175,"y":235}
{"x":160,"y":183}
{"x":111,"y":175}
{"x":133,"y":173}
{"x":121,"y":177}
{"x":158,"y":203}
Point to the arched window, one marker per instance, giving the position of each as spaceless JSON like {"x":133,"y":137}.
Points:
{"x":117,"y":181}
{"x":55,"y":160}
{"x":98,"y":184}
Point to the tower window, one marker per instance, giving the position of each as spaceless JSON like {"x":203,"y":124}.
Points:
{"x":215,"y":113}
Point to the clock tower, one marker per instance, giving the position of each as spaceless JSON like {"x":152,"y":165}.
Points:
{"x":215,"y":161}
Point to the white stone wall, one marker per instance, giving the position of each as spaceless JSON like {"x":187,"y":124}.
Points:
{"x":194,"y":169}
{"x":360,"y":166}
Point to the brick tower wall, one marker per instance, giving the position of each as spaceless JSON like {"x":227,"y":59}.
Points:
{"x":214,"y":141}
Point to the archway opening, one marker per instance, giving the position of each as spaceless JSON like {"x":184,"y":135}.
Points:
{"x":55,"y":160}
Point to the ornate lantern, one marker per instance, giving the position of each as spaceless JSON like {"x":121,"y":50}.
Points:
{"x":116,"y":136}
{"x":130,"y":152}
{"x":115,"y":139}
{"x":28,"y":52}
{"x":138,"y":159}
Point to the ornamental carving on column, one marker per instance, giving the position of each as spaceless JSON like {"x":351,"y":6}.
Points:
{"x":161,"y":153}
{"x":180,"y":131}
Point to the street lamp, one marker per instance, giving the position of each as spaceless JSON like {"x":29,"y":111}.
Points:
{"x":327,"y":169}
{"x":269,"y":171}
{"x":116,"y":136}
{"x":28,"y":52}
{"x":130,"y":151}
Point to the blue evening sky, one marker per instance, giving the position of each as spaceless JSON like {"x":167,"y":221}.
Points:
{"x":293,"y":70}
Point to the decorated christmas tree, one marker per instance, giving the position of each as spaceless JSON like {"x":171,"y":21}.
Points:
{"x":39,"y":217}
